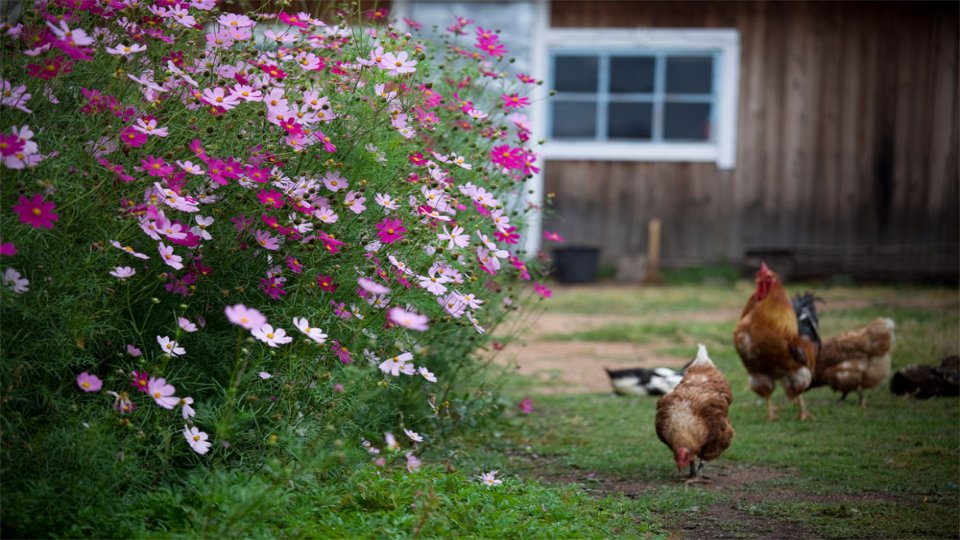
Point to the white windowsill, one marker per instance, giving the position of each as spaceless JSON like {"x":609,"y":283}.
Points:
{"x":624,"y":151}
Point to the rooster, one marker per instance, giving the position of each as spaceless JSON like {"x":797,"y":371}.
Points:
{"x":856,"y":360}
{"x":692,"y":420}
{"x":778,"y":340}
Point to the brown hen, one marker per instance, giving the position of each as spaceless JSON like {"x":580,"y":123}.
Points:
{"x":692,"y":419}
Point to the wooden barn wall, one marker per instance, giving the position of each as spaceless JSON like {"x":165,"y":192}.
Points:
{"x":847,"y":137}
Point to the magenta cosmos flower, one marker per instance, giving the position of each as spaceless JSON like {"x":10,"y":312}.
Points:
{"x":248,"y":318}
{"x":390,"y":230}
{"x":88,"y":382}
{"x":36,"y":212}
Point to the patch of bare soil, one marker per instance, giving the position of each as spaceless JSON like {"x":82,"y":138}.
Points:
{"x":747,"y":487}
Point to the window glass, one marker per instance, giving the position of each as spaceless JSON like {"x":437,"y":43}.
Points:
{"x":576,"y":74}
{"x":630,"y":121}
{"x":686,"y":121}
{"x":689,"y":75}
{"x":632,"y":74}
{"x":574,"y":119}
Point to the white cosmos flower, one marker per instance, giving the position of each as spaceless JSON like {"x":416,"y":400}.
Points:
{"x":272,"y":337}
{"x":315,"y":334}
{"x":168,"y":346}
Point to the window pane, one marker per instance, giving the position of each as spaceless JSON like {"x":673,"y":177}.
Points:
{"x":686,"y":121}
{"x":630,"y":120}
{"x":575,"y":74}
{"x":689,"y":75}
{"x":574,"y":119}
{"x":631,"y":74}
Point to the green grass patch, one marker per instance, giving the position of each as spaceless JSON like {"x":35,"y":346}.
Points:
{"x":887,"y":470}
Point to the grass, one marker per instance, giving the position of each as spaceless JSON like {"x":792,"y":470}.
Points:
{"x":891,"y":469}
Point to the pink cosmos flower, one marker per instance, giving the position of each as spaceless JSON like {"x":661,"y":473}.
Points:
{"x":342,"y":352}
{"x":334,"y":182}
{"x":425,"y":373}
{"x":186,"y":324}
{"x":542,"y":290}
{"x":125,"y":50}
{"x":552,"y":236}
{"x":12,"y":280}
{"x":7,"y":249}
{"x":372,"y":286}
{"x":11,"y":144}
{"x":140,"y":379}
{"x":36,"y":212}
{"x":128,"y":249}
{"x":266,"y":240}
{"x":173,"y":260}
{"x":390,"y":230}
{"x":248,"y":318}
{"x":133,"y":138}
{"x":218,"y":97}
{"x":156,"y":166}
{"x":162,"y":393}
{"x":122,"y":272}
{"x":526,"y":405}
{"x":234,"y":20}
{"x":148,"y":126}
{"x":413,"y":462}
{"x":326,"y":283}
{"x":398,"y":64}
{"x":122,"y":403}
{"x":88,"y":382}
{"x":490,"y":478}
{"x":413,"y":435}
{"x":133,"y":351}
{"x":408,"y":319}
{"x":514,"y":101}
{"x":272,"y":198}
{"x":197,"y":439}
{"x":186,"y":409}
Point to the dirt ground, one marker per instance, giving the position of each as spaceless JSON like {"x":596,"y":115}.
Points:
{"x":561,"y":365}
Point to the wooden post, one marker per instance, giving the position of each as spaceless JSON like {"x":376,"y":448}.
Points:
{"x":653,"y":253}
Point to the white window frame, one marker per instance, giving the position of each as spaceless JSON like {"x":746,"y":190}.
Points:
{"x":722,"y":150}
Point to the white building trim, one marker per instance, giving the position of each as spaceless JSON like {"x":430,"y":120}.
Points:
{"x":723,"y":151}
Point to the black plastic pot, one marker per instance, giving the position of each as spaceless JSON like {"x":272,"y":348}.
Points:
{"x":575,"y":264}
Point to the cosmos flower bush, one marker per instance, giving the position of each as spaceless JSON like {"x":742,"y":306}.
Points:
{"x":228,"y":235}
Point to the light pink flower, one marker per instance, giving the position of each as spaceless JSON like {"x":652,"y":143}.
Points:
{"x":197,"y":439}
{"x":186,"y":324}
{"x":408,"y":319}
{"x":248,"y":318}
{"x":88,"y":382}
{"x":413,"y":435}
{"x":122,"y":272}
{"x":490,"y":478}
{"x":186,"y":409}
{"x":173,"y":260}
{"x":162,"y":393}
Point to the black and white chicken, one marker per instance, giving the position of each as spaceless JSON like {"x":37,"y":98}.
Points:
{"x":644,"y":382}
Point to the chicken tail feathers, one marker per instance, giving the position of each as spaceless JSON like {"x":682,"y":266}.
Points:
{"x":808,"y":322}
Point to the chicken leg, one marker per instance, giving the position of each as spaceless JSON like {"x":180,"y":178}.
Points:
{"x":771,"y":410}
{"x":804,"y":414}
